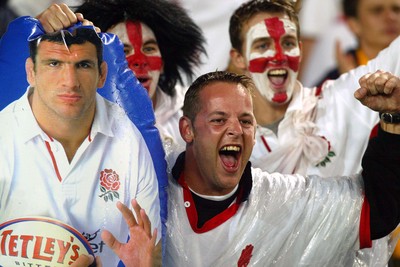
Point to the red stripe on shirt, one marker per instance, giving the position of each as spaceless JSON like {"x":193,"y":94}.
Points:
{"x":54,"y":161}
{"x":365,"y":230}
{"x":265,"y":143}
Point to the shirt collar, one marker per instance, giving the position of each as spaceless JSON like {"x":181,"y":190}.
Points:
{"x":30,"y":128}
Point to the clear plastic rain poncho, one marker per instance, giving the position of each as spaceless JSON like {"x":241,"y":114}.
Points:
{"x":287,"y":221}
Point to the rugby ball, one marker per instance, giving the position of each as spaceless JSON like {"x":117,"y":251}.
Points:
{"x":40,"y":241}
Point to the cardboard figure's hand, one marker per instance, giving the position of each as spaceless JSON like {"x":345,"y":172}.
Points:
{"x":139,"y":250}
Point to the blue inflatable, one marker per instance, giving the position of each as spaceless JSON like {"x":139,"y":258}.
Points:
{"x":121,"y":87}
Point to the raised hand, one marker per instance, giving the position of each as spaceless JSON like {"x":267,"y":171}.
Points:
{"x":60,"y":16}
{"x":345,"y":61}
{"x":380,"y":91}
{"x":141,"y":246}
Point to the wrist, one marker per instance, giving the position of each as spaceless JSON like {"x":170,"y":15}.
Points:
{"x":391,"y":118}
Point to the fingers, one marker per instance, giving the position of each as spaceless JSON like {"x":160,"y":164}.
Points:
{"x":86,"y":22}
{"x":127,"y":214}
{"x":98,"y":262}
{"x":110,"y":240}
{"x":146,"y":222}
{"x":379,"y":82}
{"x":137,"y":210}
{"x":60,"y":16}
{"x":344,"y":61}
{"x":83,"y":260}
{"x":57,"y":17}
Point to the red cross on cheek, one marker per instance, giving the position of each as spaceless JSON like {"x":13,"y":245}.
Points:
{"x":139,"y":62}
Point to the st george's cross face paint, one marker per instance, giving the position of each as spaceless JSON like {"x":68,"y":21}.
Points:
{"x":142,"y":52}
{"x":273,"y":55}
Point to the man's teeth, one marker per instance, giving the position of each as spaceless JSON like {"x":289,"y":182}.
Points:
{"x":231,"y":148}
{"x":277,"y":72}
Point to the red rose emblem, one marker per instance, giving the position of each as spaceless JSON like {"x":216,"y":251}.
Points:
{"x":109,"y":184}
{"x":109,"y":179}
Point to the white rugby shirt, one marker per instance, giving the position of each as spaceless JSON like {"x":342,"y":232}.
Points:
{"x":36,"y":178}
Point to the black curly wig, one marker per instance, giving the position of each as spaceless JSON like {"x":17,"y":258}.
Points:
{"x":180,"y":40}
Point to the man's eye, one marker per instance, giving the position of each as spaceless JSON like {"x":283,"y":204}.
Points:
{"x":217,"y":120}
{"x":150,"y":49}
{"x":84,"y":65}
{"x":247,"y":122}
{"x":261,"y":47}
{"x":54,"y":64}
{"x":289,"y":44}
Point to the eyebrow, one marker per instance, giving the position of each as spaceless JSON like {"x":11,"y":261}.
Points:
{"x":151,"y":41}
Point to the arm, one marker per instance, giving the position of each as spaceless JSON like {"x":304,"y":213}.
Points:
{"x":381,"y":169}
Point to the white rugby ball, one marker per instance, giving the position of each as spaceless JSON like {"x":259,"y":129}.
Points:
{"x":40,"y":241}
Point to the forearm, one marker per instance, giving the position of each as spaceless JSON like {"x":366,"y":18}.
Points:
{"x":381,"y":174}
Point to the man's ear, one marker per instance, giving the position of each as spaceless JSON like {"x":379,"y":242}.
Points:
{"x":103,"y":74}
{"x":186,"y":129}
{"x":237,"y":60}
{"x":30,"y":71}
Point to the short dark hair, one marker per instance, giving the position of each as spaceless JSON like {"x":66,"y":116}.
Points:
{"x":80,"y":35}
{"x":180,"y":40}
{"x":251,"y":8}
{"x":192,"y":105}
{"x":350,"y":8}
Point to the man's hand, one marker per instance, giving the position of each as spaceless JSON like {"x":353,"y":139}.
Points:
{"x":380,"y":91}
{"x":60,"y":16}
{"x":85,"y":261}
{"x":140,"y":248}
{"x":345,"y":61}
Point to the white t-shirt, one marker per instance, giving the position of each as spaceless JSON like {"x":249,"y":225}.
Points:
{"x":36,"y":178}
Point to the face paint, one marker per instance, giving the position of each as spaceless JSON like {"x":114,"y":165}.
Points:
{"x":140,"y":61}
{"x":273,"y":58}
{"x":145,"y":58}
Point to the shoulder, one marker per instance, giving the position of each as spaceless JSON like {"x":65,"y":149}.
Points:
{"x":114,"y":117}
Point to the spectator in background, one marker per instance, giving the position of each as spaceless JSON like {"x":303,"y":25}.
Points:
{"x":322,"y":26}
{"x":161,"y":43}
{"x":375,"y":23}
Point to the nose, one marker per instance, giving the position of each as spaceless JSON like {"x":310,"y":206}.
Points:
{"x":70,"y":77}
{"x":392,"y":14}
{"x":137,"y":62}
{"x":234,"y":128}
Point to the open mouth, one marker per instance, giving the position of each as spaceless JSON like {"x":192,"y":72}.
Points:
{"x":143,"y":80}
{"x":278,"y":76}
{"x":230,"y":155}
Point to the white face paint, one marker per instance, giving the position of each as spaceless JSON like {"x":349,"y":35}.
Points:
{"x":273,"y":57}
{"x":142,"y":52}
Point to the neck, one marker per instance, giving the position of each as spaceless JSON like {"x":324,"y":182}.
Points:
{"x":70,"y":137}
{"x":69,"y":132}
{"x":370,"y":51}
{"x":266,"y":112}
{"x":195,"y":179}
